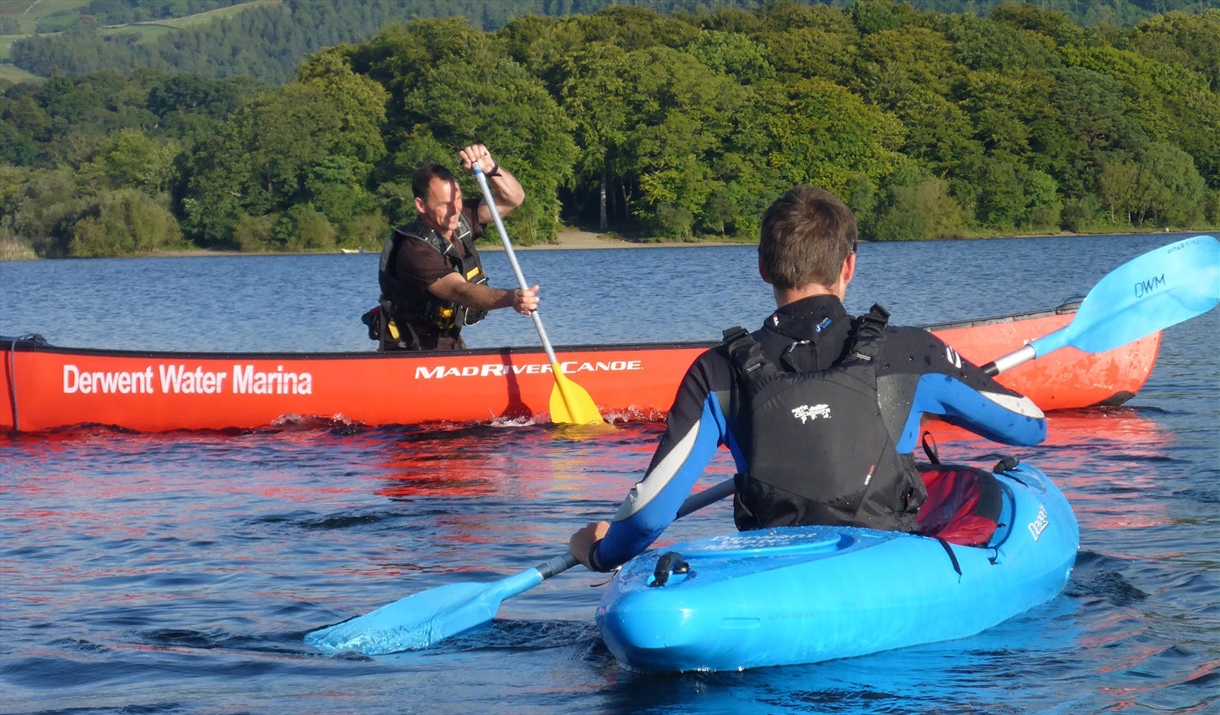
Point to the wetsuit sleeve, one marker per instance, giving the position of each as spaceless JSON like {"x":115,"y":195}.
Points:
{"x":960,"y":393}
{"x":696,"y":427}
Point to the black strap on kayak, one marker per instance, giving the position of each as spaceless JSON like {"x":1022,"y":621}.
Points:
{"x":671,"y":562}
{"x":1007,"y":466}
{"x":930,"y":449}
{"x":952,"y":557}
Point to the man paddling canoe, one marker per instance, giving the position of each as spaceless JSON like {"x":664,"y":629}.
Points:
{"x":820,"y":410}
{"x":432,"y":279}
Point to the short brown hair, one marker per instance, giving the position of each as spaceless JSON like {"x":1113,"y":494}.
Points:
{"x":421,"y":181}
{"x":807,"y":234}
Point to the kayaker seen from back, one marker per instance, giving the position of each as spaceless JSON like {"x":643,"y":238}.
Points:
{"x":820,"y":410}
{"x":431,"y":277}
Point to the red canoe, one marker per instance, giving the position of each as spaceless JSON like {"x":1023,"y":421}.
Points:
{"x":46,"y":387}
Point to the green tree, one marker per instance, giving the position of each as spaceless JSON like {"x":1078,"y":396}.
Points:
{"x":733,"y":54}
{"x":872,"y":16}
{"x":893,"y":63}
{"x":130,"y":159}
{"x":259,"y":161}
{"x":811,"y":52}
{"x":822,"y":134}
{"x":682,"y":113}
{"x":1118,"y":184}
{"x":1045,"y":208}
{"x":359,"y":101}
{"x":987,"y":45}
{"x":1176,"y":194}
{"x":303,"y":228}
{"x":594,"y":98}
{"x":123,"y":222}
{"x":926,"y":210}
{"x":940,"y":134}
{"x":450,"y":86}
{"x":1184,"y":40}
{"x":43,"y":207}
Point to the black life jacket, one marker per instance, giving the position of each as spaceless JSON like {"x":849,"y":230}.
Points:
{"x":427,"y":311}
{"x":818,"y":450}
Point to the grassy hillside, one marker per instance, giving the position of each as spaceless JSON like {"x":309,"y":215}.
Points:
{"x":27,"y":13}
{"x":10,"y":73}
{"x":221,"y":13}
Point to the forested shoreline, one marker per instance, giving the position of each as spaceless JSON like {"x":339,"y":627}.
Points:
{"x":666,"y":127}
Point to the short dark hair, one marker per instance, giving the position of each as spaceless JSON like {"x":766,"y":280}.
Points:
{"x":422,"y":179}
{"x":807,"y":234}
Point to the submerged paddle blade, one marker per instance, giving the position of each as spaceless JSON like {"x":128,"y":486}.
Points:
{"x":1152,"y":292}
{"x":570,"y":403}
{"x":423,"y":618}
{"x":410,"y":623}
{"x":430,"y":616}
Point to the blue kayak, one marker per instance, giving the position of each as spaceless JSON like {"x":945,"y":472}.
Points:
{"x":808,"y":594}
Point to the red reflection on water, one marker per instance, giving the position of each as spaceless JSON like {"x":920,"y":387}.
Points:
{"x":1104,"y":460}
{"x":496,"y":466}
{"x":1119,"y":425}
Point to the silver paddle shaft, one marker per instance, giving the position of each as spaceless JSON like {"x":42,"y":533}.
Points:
{"x":512,"y":257}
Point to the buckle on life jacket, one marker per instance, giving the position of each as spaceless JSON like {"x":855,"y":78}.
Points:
{"x":374,"y":317}
{"x":744,"y":350}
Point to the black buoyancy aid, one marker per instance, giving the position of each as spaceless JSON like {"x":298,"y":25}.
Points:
{"x":818,"y":449}
{"x":428,"y":311}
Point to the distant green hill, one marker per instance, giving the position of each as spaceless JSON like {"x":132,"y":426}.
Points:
{"x":267,"y":39}
{"x":679,"y":126}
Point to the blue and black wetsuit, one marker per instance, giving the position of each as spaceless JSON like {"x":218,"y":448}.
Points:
{"x":916,"y":374}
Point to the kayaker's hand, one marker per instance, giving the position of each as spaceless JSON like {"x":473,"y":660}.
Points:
{"x":477,"y":153}
{"x":525,"y":301}
{"x":583,"y":540}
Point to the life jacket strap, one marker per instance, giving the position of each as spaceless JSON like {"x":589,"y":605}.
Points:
{"x":747,"y":353}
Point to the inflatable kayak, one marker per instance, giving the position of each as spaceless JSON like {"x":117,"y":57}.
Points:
{"x":808,"y":594}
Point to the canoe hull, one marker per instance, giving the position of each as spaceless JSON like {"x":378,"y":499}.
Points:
{"x":45,"y":387}
{"x":803,"y":595}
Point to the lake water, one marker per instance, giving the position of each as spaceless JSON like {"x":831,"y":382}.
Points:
{"x":178,"y":573}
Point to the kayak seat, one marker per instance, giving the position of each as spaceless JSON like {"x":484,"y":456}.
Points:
{"x":963,"y":504}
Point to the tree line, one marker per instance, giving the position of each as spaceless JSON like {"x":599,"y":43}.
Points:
{"x":927,"y":124}
{"x":269,"y":41}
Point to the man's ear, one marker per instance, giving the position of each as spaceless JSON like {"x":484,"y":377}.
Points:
{"x":849,"y":269}
{"x":762,"y":272}
{"x":419,"y":205}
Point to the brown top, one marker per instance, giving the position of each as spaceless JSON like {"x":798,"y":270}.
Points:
{"x":418,"y":265}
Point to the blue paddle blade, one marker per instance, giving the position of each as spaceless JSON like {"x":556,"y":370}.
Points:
{"x":1144,"y":295}
{"x":423,"y":618}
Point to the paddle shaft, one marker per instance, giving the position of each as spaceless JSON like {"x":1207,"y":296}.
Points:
{"x":512,"y":257}
{"x":1009,"y":361}
{"x":558,"y":564}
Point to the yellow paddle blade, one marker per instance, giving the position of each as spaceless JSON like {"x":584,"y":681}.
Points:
{"x":570,"y":404}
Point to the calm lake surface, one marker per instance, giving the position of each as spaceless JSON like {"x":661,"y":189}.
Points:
{"x":178,"y":573}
